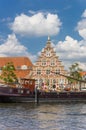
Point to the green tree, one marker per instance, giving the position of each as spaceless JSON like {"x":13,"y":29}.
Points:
{"x":75,"y":73}
{"x":8,"y":73}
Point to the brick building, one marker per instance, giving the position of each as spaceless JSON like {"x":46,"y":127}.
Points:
{"x":47,"y":63}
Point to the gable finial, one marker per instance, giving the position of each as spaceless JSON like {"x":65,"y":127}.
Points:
{"x":48,"y":38}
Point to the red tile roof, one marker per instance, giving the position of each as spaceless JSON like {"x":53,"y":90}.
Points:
{"x":22,"y":73}
{"x":83,"y":73}
{"x":18,"y":62}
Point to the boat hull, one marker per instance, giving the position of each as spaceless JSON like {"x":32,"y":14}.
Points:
{"x":45,"y":97}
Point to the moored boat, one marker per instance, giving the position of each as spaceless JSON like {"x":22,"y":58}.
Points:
{"x":26,"y":92}
{"x":17,"y":92}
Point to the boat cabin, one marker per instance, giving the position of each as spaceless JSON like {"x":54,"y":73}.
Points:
{"x":28,"y":83}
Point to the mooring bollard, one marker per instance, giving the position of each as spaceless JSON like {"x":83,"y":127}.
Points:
{"x":36,"y":95}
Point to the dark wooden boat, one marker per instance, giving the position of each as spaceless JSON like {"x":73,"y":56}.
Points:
{"x":18,"y":92}
{"x":26,"y":92}
{"x":65,"y":96}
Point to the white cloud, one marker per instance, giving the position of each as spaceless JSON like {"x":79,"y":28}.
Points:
{"x":84,"y":13}
{"x":81,"y":26}
{"x":38,"y":24}
{"x":12,"y":47}
{"x":71,"y":50}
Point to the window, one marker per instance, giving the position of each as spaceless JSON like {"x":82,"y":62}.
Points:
{"x":52,"y":62}
{"x":58,"y":71}
{"x":24,"y":67}
{"x":38,"y":71}
{"x":47,"y":71}
{"x":48,"y":53}
{"x":61,"y":81}
{"x":40,"y":82}
{"x":54,"y":81}
{"x":44,"y":62}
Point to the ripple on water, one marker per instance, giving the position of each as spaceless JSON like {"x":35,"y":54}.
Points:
{"x":43,"y":116}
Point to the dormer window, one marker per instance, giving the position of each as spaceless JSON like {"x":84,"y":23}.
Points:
{"x":24,"y":67}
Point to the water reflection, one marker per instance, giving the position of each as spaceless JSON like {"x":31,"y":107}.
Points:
{"x":51,"y":116}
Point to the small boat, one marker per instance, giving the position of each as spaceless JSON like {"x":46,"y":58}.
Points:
{"x":20,"y":92}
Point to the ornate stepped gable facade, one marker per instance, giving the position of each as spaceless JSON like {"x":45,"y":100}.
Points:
{"x":47,"y":63}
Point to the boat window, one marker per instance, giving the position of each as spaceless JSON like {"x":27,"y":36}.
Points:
{"x":19,"y":91}
{"x":28,"y":91}
{"x":10,"y":90}
{"x":22,"y":91}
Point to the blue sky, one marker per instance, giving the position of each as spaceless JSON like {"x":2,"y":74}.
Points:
{"x":26,"y":24}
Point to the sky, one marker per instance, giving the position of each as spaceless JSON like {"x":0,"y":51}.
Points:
{"x":26,"y":24}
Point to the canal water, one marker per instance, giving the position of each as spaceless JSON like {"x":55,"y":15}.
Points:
{"x":44,"y":116}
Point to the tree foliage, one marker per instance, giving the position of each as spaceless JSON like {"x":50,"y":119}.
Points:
{"x":75,"y":72}
{"x":8,"y":73}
